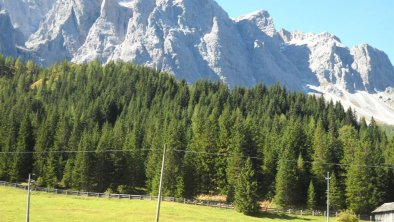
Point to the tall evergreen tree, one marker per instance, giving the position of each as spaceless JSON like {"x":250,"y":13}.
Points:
{"x":23,"y":162}
{"x":237,"y":145}
{"x":321,"y":157}
{"x":246,"y":198}
{"x":337,"y":197}
{"x":286,"y":180}
{"x":104,"y":167}
{"x":359,"y":186}
{"x":311,"y":200}
{"x":49,"y":173}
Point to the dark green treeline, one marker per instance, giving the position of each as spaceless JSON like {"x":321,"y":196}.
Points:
{"x":114,"y":120}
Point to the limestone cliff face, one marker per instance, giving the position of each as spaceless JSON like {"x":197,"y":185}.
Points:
{"x":196,"y":39}
{"x":9,"y":37}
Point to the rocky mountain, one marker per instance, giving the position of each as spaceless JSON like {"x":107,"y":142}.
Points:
{"x":196,"y":39}
{"x":7,"y":40}
{"x":26,"y":15}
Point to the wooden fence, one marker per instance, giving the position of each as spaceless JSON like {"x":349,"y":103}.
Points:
{"x":119,"y":196}
{"x":174,"y":199}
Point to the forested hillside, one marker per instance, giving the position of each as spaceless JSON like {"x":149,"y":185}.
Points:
{"x":93,"y":127}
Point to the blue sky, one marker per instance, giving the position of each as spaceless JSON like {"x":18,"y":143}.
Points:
{"x":353,"y":21}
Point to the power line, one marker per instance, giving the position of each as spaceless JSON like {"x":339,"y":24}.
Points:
{"x":75,"y":151}
{"x":287,"y":160}
{"x":226,"y":155}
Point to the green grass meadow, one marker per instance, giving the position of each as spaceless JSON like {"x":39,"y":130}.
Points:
{"x":49,"y":207}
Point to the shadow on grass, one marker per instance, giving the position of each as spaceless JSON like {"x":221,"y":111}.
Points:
{"x":278,"y":216}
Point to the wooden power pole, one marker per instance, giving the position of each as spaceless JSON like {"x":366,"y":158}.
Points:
{"x":328,"y":196}
{"x":161,"y":184}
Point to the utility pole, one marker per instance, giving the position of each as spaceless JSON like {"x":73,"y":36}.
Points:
{"x":161,"y":183}
{"x":328,"y":196}
{"x":28,"y":199}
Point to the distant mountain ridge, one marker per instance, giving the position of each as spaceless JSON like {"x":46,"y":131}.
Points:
{"x":196,"y":39}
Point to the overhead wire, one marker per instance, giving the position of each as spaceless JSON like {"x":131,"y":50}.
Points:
{"x":226,"y":155}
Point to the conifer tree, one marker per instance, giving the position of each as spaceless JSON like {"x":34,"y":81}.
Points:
{"x":83,"y":170}
{"x":302,"y":180}
{"x":61,"y":138}
{"x":189,"y":170}
{"x":120,"y":173}
{"x":359,"y":189}
{"x":321,"y":152}
{"x":9,"y":143}
{"x":337,"y":197}
{"x":22,"y":162}
{"x":321,"y":156}
{"x":311,"y":200}
{"x":67,"y":175}
{"x":225,"y":124}
{"x":153,"y":164}
{"x":135,"y":161}
{"x":236,"y":148}
{"x":44,"y":143}
{"x":172,"y":181}
{"x":49,"y":173}
{"x":104,"y":167}
{"x":285,"y":180}
{"x":246,"y":198}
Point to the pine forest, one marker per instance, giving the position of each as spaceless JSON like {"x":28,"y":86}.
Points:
{"x":98,"y":128}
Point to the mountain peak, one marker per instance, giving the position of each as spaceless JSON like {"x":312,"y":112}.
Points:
{"x":262,"y":20}
{"x":256,"y":14}
{"x":193,"y":39}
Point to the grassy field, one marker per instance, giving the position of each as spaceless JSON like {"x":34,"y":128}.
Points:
{"x":50,"y":207}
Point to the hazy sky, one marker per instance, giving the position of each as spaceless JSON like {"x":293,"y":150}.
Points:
{"x":353,"y":21}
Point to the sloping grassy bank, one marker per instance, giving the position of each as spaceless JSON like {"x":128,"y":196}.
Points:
{"x":50,"y":207}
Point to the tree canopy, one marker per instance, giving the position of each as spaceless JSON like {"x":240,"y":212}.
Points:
{"x":94,"y":127}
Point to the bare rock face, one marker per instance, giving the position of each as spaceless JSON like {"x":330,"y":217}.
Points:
{"x":63,"y":30}
{"x":9,"y":36}
{"x":196,"y":39}
{"x":26,"y":15}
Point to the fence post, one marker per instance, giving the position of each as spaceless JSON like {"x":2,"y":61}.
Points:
{"x":301,"y":212}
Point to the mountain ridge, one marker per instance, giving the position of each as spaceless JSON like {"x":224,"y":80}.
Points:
{"x":198,"y":40}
